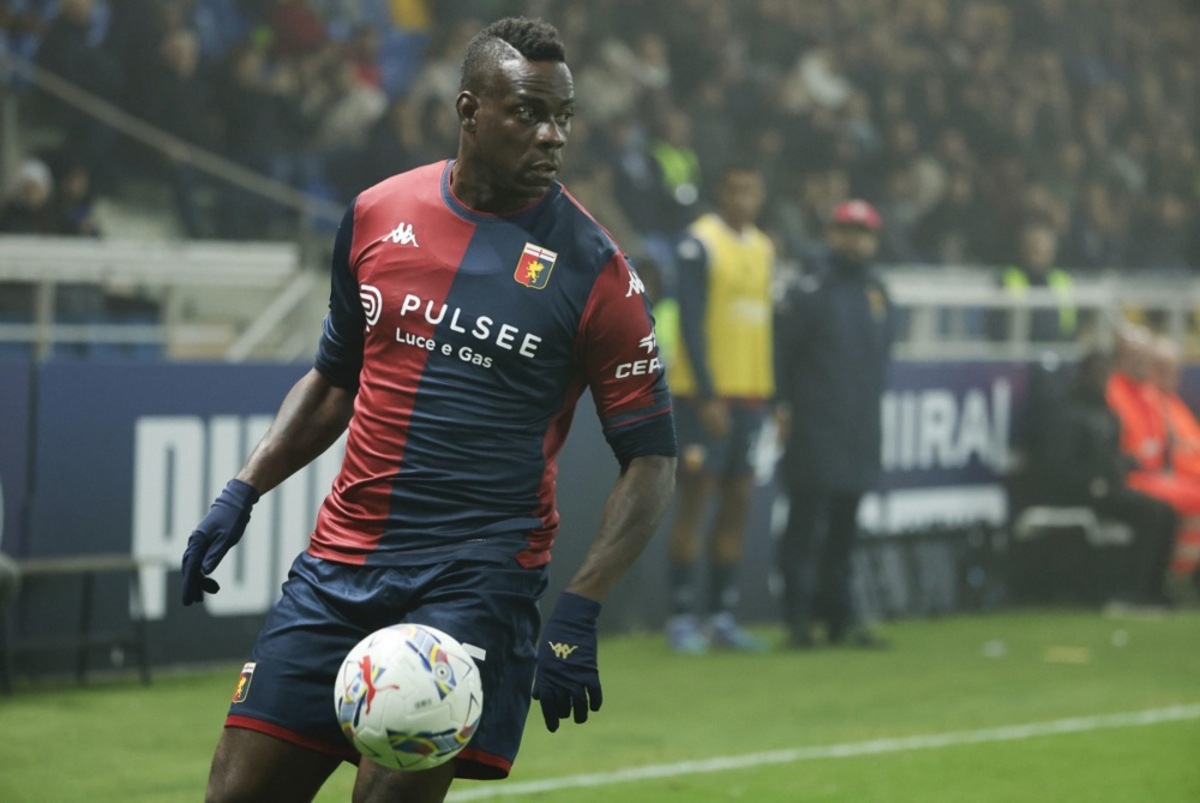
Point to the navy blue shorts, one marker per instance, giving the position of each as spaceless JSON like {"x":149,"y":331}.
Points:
{"x":729,"y":457}
{"x":286,"y":689}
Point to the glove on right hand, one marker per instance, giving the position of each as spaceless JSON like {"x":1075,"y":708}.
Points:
{"x":216,"y":534}
{"x":567,"y":678}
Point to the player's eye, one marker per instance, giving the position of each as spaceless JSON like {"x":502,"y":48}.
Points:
{"x":564,"y":118}
{"x":526,"y":114}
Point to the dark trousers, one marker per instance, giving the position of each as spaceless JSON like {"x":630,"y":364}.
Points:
{"x":815,"y":554}
{"x":1154,"y":523}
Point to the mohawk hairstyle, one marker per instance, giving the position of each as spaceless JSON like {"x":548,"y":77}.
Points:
{"x":534,"y":39}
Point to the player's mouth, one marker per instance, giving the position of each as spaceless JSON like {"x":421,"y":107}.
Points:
{"x":544,"y":170}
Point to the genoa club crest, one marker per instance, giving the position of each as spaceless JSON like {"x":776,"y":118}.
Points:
{"x":533,"y":270}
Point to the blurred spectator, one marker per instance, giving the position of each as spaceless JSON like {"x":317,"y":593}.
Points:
{"x":354,"y":107}
{"x":1099,"y":227}
{"x":1182,"y":429}
{"x":295,"y":28}
{"x":1166,"y":238}
{"x":220,"y":26}
{"x":802,"y":212}
{"x":262,"y":125}
{"x":1183,"y":451}
{"x":605,"y":76}
{"x":385,"y":153}
{"x":439,"y":77}
{"x":75,"y":201}
{"x":31,"y":206}
{"x":29,"y":200}
{"x":72,"y":48}
{"x":679,"y":167}
{"x":900,"y":209}
{"x":1065,"y":173}
{"x":1081,"y":463}
{"x":637,"y":181}
{"x":815,"y":80}
{"x":363,"y":54}
{"x":1036,"y":268}
{"x":1134,"y":394}
{"x":956,"y":230}
{"x":1088,"y":115}
{"x":1143,"y":437}
{"x":177,"y":100}
{"x":593,"y":184}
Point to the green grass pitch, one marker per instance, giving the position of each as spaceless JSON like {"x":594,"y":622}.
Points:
{"x":957,"y":710}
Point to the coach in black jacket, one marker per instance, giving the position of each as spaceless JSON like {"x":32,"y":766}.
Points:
{"x":835,"y":332}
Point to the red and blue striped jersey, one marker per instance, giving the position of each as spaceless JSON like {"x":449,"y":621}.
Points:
{"x":470,"y":337}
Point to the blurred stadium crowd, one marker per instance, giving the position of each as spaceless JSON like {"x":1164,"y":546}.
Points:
{"x":960,"y":119}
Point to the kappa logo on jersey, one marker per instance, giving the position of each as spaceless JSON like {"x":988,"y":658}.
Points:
{"x":372,"y":302}
{"x":401,"y":235}
{"x":636,"y":287}
{"x":243,"y":684}
{"x":533,"y":269}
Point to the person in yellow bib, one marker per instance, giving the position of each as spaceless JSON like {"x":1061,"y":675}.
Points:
{"x":722,"y":382}
{"x":1036,"y":269}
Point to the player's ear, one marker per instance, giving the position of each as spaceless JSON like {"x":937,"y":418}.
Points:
{"x":467,"y":106}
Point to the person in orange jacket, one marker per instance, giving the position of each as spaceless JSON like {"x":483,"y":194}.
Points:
{"x":1143,"y":431}
{"x":1181,"y":427}
{"x":1139,"y":403}
{"x":1182,"y":445}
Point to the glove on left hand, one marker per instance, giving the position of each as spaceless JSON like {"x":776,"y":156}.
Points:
{"x":567,"y":675}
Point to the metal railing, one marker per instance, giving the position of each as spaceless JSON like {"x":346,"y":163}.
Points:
{"x":248,"y":279}
{"x":947,"y":311}
{"x":229,"y":299}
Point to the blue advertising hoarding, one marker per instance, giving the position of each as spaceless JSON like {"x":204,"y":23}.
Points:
{"x":128,"y":457}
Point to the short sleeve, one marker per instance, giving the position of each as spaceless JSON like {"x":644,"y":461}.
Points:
{"x":618,"y":350}
{"x":339,"y":353}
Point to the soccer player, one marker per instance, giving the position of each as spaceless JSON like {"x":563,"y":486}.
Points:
{"x":472,"y":302}
{"x":723,"y":381}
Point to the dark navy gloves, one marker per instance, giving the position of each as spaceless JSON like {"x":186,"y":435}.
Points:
{"x":213,"y":537}
{"x":568,"y":679}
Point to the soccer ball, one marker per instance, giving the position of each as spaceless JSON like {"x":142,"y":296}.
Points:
{"x":409,"y":697}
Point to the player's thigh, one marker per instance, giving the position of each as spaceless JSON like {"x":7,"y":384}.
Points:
{"x":376,"y":784}
{"x":738,"y":456}
{"x":493,"y":610}
{"x":252,"y":767}
{"x":696,"y":445}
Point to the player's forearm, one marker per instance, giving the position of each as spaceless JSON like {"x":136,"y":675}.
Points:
{"x":632,"y":515}
{"x":312,"y":416}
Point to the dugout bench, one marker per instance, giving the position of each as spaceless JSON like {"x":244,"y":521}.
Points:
{"x":1063,"y":553}
{"x":84,"y":639}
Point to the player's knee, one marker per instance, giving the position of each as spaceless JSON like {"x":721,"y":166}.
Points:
{"x":250,"y":767}
{"x":226,"y":784}
{"x":375,"y":784}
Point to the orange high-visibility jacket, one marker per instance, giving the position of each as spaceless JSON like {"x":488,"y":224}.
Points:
{"x":1143,"y":430}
